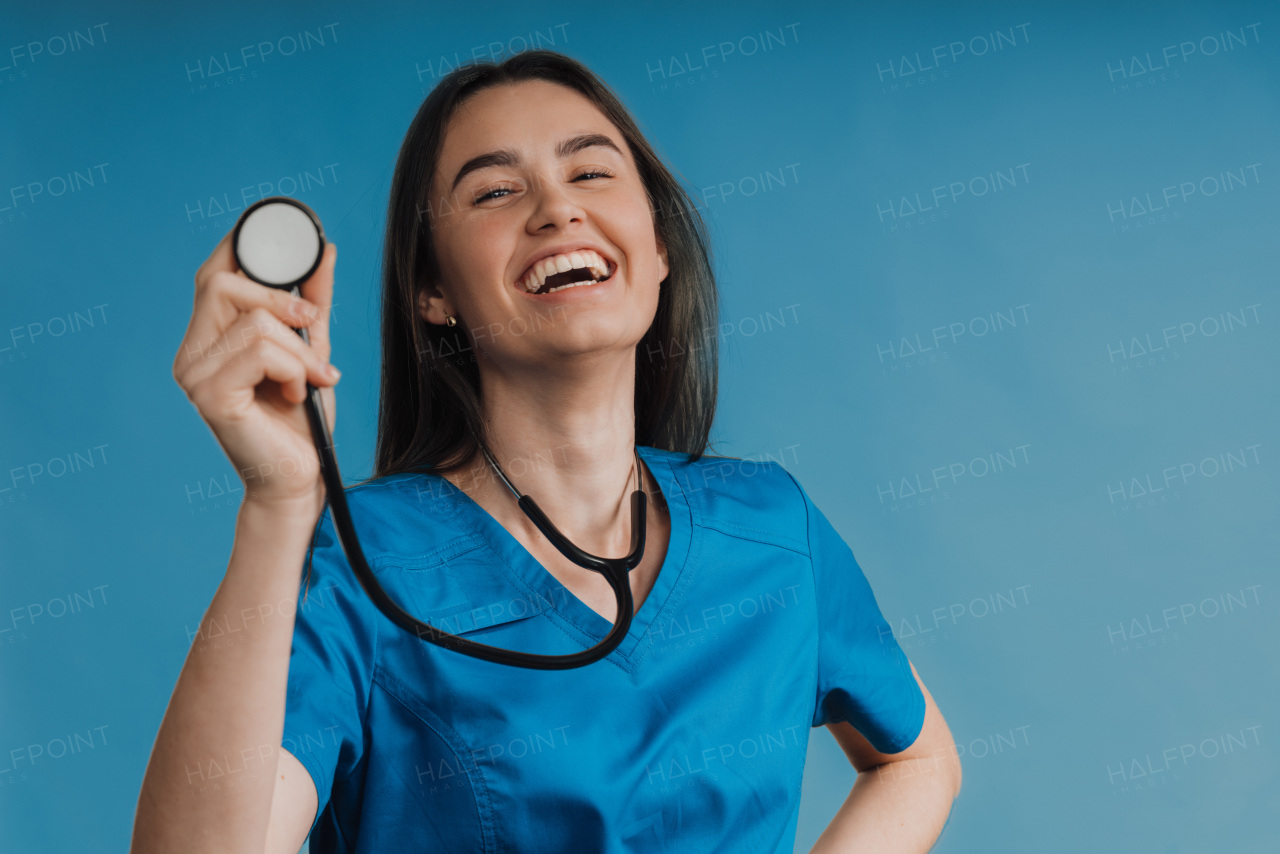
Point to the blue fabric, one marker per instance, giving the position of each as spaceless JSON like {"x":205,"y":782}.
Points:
{"x":690,"y":736}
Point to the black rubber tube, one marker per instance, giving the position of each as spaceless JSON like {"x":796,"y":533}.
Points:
{"x":615,"y":570}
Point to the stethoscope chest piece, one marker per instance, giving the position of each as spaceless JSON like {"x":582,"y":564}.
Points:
{"x":278,"y":242}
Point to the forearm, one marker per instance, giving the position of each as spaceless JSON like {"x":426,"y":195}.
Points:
{"x":210,"y":779}
{"x":896,"y":808}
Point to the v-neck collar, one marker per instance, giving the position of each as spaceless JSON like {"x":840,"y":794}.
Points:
{"x":531,"y":574}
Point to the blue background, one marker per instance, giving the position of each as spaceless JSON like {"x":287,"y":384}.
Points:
{"x":1030,"y":585}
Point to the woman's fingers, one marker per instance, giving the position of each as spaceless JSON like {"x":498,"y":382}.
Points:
{"x":239,"y":343}
{"x":318,"y":290}
{"x":228,"y":394}
{"x":221,"y":301}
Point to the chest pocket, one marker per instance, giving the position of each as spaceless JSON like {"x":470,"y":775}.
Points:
{"x":459,"y":589}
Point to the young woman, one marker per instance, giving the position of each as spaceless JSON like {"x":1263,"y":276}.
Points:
{"x":547,"y":294}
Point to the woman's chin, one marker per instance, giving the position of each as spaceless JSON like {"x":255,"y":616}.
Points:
{"x":561,"y":337}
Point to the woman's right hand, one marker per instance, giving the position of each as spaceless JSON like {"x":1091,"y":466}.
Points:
{"x":246,"y":370}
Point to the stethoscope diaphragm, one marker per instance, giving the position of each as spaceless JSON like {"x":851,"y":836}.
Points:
{"x":278,"y":242}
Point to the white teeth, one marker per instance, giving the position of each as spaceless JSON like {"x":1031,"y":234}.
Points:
{"x":578,"y":259}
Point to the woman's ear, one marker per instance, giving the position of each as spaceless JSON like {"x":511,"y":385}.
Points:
{"x":432,"y":304}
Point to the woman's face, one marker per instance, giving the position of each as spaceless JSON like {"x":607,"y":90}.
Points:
{"x":526,"y":172}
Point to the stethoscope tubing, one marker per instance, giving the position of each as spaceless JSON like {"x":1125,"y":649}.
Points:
{"x":615,"y":570}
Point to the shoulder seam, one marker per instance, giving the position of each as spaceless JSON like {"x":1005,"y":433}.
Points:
{"x":768,"y":538}
{"x":808,"y":544}
{"x":749,"y":533}
{"x":813,"y":576}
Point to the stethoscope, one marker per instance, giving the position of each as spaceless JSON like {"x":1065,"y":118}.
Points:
{"x":279,"y":242}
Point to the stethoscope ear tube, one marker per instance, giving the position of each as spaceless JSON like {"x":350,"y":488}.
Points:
{"x":295,"y":239}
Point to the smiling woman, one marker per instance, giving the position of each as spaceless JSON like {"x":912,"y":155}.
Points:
{"x":531,"y":224}
{"x":469,"y":168}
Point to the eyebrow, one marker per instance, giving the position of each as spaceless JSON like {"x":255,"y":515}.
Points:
{"x":507,"y":157}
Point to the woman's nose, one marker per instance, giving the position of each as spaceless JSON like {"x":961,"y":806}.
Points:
{"x":553,"y":205}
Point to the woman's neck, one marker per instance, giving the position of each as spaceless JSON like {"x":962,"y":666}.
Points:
{"x":568,"y":441}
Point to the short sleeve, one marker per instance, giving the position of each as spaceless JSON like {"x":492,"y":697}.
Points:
{"x":330,"y":667}
{"x":864,"y":677}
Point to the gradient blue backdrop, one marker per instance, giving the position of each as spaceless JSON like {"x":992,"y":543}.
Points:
{"x":968,"y":299}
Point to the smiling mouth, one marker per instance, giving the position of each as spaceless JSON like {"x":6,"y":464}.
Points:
{"x":571,"y":279}
{"x":579,"y":268}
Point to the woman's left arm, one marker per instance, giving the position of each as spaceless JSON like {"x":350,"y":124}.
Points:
{"x":900,"y":801}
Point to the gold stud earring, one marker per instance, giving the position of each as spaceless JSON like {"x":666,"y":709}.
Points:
{"x":450,"y":320}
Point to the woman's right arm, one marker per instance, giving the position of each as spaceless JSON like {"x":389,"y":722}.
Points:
{"x":218,"y":779}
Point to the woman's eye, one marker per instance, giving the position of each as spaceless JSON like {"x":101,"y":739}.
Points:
{"x":499,"y":192}
{"x":492,"y":194}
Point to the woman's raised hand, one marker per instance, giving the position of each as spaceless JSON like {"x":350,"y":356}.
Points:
{"x":246,"y":370}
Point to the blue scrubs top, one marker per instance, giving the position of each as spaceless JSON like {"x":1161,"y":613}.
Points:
{"x":690,"y":736}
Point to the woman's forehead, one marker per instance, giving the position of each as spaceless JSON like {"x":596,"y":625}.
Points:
{"x":504,"y":108}
{"x":528,"y":118}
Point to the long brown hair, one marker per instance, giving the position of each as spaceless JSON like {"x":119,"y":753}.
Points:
{"x":429,"y":417}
